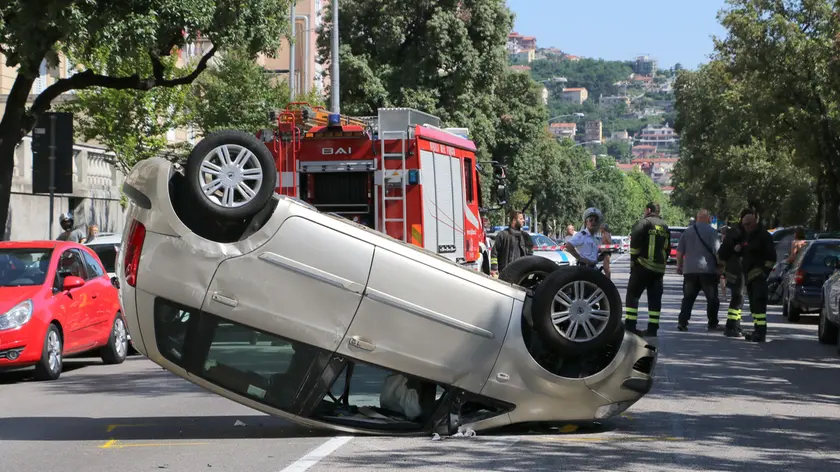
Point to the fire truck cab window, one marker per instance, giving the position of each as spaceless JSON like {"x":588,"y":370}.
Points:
{"x":469,"y":172}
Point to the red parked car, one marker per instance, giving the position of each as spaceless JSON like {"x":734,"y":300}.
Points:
{"x":56,"y":300}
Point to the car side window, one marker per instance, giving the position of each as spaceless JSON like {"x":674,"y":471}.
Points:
{"x":92,"y":267}
{"x":71,"y":263}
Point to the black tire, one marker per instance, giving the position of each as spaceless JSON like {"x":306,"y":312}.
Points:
{"x":117,"y":349}
{"x":793,"y":312}
{"x":528,"y":272}
{"x":43,"y":371}
{"x":264,"y":161}
{"x":604,"y":330}
{"x":827,"y":332}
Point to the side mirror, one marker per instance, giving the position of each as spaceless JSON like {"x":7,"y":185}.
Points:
{"x":502,"y":194}
{"x":71,"y":281}
{"x":115,"y":282}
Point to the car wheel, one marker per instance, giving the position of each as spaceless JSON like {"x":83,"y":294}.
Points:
{"x":117,"y":348}
{"x":528,"y":272}
{"x":577,"y":311}
{"x":784,"y":305}
{"x":827,"y":331}
{"x":230,"y":175}
{"x":793,"y":311}
{"x":51,"y":363}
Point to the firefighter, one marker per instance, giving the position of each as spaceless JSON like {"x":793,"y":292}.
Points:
{"x":510,"y":244}
{"x":753,"y":246}
{"x":650,"y":243}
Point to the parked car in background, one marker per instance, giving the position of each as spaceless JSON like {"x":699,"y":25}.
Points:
{"x":676,"y":234}
{"x":803,"y":282}
{"x":56,"y":300}
{"x":107,"y":247}
{"x":548,"y":248}
{"x":829,"y":323}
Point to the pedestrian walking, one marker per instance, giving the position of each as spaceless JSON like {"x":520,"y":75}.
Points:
{"x":650,"y":244}
{"x":510,"y":244}
{"x":698,"y":263}
{"x":753,"y":247}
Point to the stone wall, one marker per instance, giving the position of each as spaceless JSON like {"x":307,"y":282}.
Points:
{"x":95,"y":198}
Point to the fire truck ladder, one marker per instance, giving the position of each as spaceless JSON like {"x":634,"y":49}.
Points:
{"x":403,"y":137}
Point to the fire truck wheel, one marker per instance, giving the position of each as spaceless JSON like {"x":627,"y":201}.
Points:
{"x":576,"y":311}
{"x":528,"y":271}
{"x":231,"y":175}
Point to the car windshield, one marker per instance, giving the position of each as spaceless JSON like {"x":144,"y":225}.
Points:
{"x":815,"y":258}
{"x":24,"y":266}
{"x":675,"y":237}
{"x":542,"y":243}
{"x":108,"y":254}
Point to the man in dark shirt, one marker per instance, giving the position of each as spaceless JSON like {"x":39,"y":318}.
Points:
{"x":510,"y":244}
{"x":650,"y":243}
{"x":753,"y":245}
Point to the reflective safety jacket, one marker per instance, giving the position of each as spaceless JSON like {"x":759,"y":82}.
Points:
{"x":650,"y":244}
{"x":757,"y":255}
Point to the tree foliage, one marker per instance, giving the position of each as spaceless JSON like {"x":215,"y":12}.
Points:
{"x":760,"y":125}
{"x":235,"y":93}
{"x":111,"y":37}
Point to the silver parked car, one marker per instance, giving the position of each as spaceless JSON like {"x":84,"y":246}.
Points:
{"x":238,"y":296}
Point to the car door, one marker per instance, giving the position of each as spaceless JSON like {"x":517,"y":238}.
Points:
{"x":425,"y":320}
{"x":303,"y":285}
{"x":76,"y":303}
{"x":99,"y":286}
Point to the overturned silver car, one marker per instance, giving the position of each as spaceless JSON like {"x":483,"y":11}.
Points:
{"x":313,"y":318}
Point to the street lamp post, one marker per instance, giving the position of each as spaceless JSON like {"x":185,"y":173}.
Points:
{"x":579,"y":115}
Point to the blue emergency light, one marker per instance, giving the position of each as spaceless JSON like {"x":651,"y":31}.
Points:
{"x":413,"y":176}
{"x":334,"y":120}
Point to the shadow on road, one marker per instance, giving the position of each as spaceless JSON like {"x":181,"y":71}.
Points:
{"x":151,"y":428}
{"x":770,"y":448}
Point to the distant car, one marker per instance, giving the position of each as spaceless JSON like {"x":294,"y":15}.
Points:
{"x":107,"y":247}
{"x":802,"y":284}
{"x":378,"y":336}
{"x":829,"y":323}
{"x":676,"y":234}
{"x":56,"y":300}
{"x":548,"y":248}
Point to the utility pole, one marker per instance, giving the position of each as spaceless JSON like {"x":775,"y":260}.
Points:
{"x":334,"y":79}
{"x":292,"y":54}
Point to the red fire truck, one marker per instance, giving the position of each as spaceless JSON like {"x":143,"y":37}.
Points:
{"x":398,"y":172}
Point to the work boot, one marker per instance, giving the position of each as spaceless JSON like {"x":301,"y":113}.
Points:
{"x":682,"y":325}
{"x":713,"y":326}
{"x":651,"y":331}
{"x":758,"y":335}
{"x":733,"y":329}
{"x":630,"y":326}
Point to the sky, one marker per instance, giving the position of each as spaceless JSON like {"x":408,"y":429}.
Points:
{"x":670,"y":31}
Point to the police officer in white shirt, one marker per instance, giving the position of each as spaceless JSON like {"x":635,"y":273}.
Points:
{"x":585,"y":243}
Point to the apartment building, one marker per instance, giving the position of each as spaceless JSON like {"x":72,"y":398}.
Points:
{"x":575,"y":95}
{"x":644,"y":65}
{"x":517,"y":43}
{"x":563,"y":130}
{"x":613,"y":100}
{"x":658,"y":135}
{"x":594,"y":131}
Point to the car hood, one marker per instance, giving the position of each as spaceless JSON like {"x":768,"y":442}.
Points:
{"x":11,"y":296}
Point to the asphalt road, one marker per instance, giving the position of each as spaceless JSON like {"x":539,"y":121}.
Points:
{"x":718,"y":404}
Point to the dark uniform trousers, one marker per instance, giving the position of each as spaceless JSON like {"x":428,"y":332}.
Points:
{"x":642,"y":279}
{"x":756,"y":288}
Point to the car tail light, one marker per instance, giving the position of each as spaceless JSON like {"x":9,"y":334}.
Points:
{"x":136,"y":236}
{"x":799,"y":277}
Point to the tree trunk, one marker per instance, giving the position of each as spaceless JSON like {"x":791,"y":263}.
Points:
{"x":11,"y":133}
{"x":820,"y":203}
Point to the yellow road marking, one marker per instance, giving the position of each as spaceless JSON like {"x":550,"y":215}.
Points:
{"x":108,"y":444}
{"x":112,"y":427}
{"x":112,"y":444}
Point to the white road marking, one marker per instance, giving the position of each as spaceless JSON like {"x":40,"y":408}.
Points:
{"x":316,"y":455}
